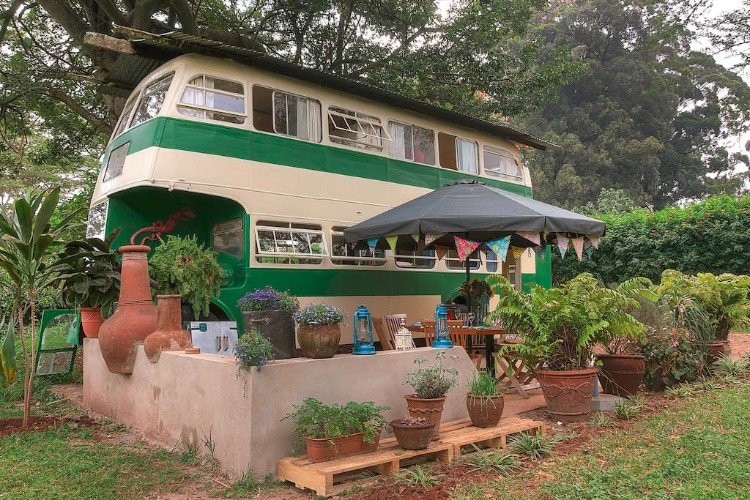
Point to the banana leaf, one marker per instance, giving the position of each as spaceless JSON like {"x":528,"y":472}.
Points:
{"x":8,"y":356}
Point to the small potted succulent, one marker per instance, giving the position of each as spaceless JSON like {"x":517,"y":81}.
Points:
{"x":335,"y":431}
{"x":485,"y":400}
{"x":253,"y":350}
{"x":318,"y":331}
{"x":413,"y":433}
{"x":270,"y":312}
{"x":430,"y":384}
{"x":89,"y":275}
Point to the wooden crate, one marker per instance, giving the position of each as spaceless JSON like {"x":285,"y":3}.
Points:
{"x":330,"y":478}
{"x":324,"y":478}
{"x":461,"y":433}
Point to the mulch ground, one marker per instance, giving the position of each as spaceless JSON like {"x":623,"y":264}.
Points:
{"x":10,"y":426}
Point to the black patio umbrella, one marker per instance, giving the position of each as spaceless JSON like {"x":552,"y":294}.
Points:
{"x":475,"y":212}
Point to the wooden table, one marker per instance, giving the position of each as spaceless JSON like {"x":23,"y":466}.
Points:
{"x":489,"y":334}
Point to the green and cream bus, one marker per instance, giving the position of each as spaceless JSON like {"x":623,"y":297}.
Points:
{"x":276,"y":164}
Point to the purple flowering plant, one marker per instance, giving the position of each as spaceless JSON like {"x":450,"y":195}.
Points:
{"x":268,"y":299}
{"x":319,"y":314}
{"x":253,"y":349}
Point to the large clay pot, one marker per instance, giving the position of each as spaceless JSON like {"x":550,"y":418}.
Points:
{"x":431,"y":409}
{"x":621,"y":373}
{"x":412,"y":437}
{"x":485,"y":411}
{"x":277,"y":326}
{"x":321,"y":450}
{"x":568,"y":393}
{"x":169,"y":335}
{"x":319,"y":341}
{"x":91,"y":321}
{"x":135,"y":316}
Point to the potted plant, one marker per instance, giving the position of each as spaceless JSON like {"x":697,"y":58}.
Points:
{"x":560,"y":327}
{"x":89,"y":279}
{"x":318,"y":331}
{"x":413,"y":433}
{"x":430,"y":384}
{"x":253,"y":350}
{"x":335,"y":431}
{"x":484,"y":400}
{"x":623,"y":364}
{"x":270,"y":312}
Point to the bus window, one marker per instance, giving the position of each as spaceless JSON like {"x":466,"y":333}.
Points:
{"x":289,"y":243}
{"x":116,"y":162}
{"x":355,"y":129}
{"x":226,"y":237}
{"x":97,"y":220}
{"x":293,"y":115}
{"x":213,"y":98}
{"x":125,"y":115}
{"x":411,"y":143}
{"x":501,"y":163}
{"x":416,"y":260}
{"x":492,"y":262}
{"x":152,"y":99}
{"x":453,"y":262}
{"x":457,"y":153}
{"x":342,"y":254}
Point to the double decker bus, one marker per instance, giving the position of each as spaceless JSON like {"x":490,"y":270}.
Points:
{"x":276,"y":164}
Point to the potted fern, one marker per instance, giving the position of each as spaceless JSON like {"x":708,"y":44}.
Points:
{"x":89,"y":278}
{"x":560,"y":327}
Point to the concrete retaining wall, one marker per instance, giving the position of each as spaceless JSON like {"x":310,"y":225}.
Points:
{"x":185,"y":398}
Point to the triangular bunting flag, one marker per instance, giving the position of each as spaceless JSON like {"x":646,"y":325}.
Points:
{"x":594,"y":240}
{"x":465,"y":247}
{"x":517,"y":252}
{"x":391,"y":241}
{"x":589,"y":252}
{"x":372,"y":243}
{"x":441,"y":251}
{"x":430,"y":237}
{"x":578,"y":246}
{"x":562,"y":244}
{"x":500,"y":247}
{"x":415,"y":237}
{"x":532,"y":236}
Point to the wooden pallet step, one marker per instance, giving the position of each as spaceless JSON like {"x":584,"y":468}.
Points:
{"x":492,"y":437}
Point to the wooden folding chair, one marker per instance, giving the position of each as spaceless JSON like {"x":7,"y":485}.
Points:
{"x":459,"y":335}
{"x":512,"y":370}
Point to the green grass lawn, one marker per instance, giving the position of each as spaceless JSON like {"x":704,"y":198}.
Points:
{"x":700,"y":448}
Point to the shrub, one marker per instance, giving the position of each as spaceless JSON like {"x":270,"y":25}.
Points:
{"x":319,"y":314}
{"x":434,"y":381}
{"x":535,"y":446}
{"x":253,"y":349}
{"x":181,"y":265}
{"x":710,"y":236}
{"x":627,"y":409}
{"x":268,"y":299}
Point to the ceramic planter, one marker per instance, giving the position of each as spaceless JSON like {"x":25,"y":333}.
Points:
{"x":485,"y":411}
{"x":413,"y":437}
{"x":277,"y":326}
{"x":321,"y":450}
{"x":318,"y":341}
{"x":568,"y":393}
{"x":91,"y":321}
{"x":431,"y":409}
{"x":169,"y":335}
{"x":135,"y":316}
{"x":716,"y":350}
{"x":621,"y":374}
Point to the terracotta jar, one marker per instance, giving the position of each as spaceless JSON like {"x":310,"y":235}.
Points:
{"x":319,"y":341}
{"x":431,"y":409}
{"x":169,"y":335}
{"x":621,"y":373}
{"x":135,"y":316}
{"x":91,"y":321}
{"x":485,"y":411}
{"x":568,"y":393}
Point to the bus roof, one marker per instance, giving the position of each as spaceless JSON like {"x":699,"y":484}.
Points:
{"x":147,"y":51}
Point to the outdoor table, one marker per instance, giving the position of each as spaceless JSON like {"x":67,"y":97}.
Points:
{"x":488,"y":332}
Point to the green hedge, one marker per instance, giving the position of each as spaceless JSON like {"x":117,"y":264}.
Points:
{"x":711,"y":236}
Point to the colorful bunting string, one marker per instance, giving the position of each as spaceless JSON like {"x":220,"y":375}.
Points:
{"x":372,"y":243}
{"x":391,"y":241}
{"x":465,"y":247}
{"x":500,"y":247}
{"x":578,"y":246}
{"x":594,"y":240}
{"x":562,"y":244}
{"x":430,"y":237}
{"x":532,"y":236}
{"x":441,"y":251}
{"x":517,"y":252}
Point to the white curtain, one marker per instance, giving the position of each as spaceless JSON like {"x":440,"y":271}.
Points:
{"x":467,"y":156}
{"x":313,"y":121}
{"x":397,"y":144}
